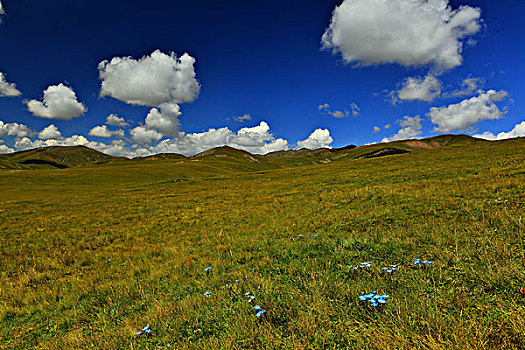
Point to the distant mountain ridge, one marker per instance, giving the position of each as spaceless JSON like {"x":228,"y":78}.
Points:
{"x":61,"y":157}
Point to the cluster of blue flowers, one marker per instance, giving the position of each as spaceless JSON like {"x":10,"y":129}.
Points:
{"x":390,"y":269}
{"x":364,"y":265}
{"x":258,"y":308}
{"x":146,"y":330}
{"x":374,"y":299}
{"x":420,"y":262}
{"x":301,"y":236}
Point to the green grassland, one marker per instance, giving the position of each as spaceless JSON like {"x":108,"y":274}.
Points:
{"x":163,"y":220}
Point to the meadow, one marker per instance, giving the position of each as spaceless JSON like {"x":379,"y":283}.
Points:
{"x":91,"y":255}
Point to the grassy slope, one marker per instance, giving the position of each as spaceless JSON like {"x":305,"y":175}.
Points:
{"x":461,"y":207}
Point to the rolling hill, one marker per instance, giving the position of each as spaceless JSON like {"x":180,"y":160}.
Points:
{"x":57,"y":157}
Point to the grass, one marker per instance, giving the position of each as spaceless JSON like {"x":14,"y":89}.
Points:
{"x":460,"y":207}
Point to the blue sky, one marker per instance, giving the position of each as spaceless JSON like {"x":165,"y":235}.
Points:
{"x":395,"y":63}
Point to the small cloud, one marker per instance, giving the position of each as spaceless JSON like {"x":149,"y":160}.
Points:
{"x":103,"y":131}
{"x":320,"y":138}
{"x":417,"y":89}
{"x":325,"y":109}
{"x":60,"y":102}
{"x":388,"y":126}
{"x":243,"y":118}
{"x":377,"y":129}
{"x":410,"y":128}
{"x":7,"y":89}
{"x":469,"y":86}
{"x":517,"y":131}
{"x":115,"y":120}
{"x":15,"y":129}
{"x":4,"y":149}
{"x":50,"y":132}
{"x":463,"y":115}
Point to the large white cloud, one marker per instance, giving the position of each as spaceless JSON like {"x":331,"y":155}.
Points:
{"x":410,"y":128}
{"x":50,"y":132}
{"x":418,"y":89}
{"x":103,"y":131}
{"x":7,"y":89}
{"x":320,"y":138}
{"x":517,"y":131}
{"x":60,"y":102}
{"x":15,"y":129}
{"x":151,"y":80}
{"x":407,"y":32}
{"x":115,"y":120}
{"x":463,"y":115}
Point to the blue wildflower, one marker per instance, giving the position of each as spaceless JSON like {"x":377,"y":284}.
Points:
{"x":256,"y":307}
{"x":207,"y":294}
{"x":260,"y":313}
{"x":146,"y":330}
{"x":300,"y":236}
{"x":208,"y":269}
{"x":292,"y":239}
{"x":247,"y":293}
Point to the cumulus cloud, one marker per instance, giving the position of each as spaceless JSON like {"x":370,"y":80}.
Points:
{"x":410,"y":128}
{"x":142,"y":135}
{"x":2,"y":12}
{"x":15,"y":129}
{"x":377,"y":129}
{"x":50,"y":132}
{"x":326,"y":109}
{"x":469,"y":86}
{"x":115,"y":120}
{"x":320,"y":138}
{"x":103,"y":131}
{"x":158,"y":80}
{"x":257,"y":140}
{"x":7,"y":89}
{"x":151,"y":80}
{"x":3,"y":148}
{"x":60,"y":102}
{"x":418,"y":89}
{"x":407,"y":32}
{"x":518,"y":131}
{"x":461,"y":116}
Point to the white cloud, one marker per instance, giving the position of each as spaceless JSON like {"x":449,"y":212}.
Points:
{"x":461,"y":116}
{"x":320,"y":138}
{"x":408,"y":32}
{"x":142,"y":135}
{"x":418,"y":89}
{"x":7,"y":89}
{"x":60,"y":102}
{"x":256,"y":140}
{"x":15,"y":129}
{"x":410,"y":128}
{"x":151,"y":80}
{"x":377,"y":129}
{"x":388,"y":126}
{"x":325,"y":108}
{"x":115,"y":120}
{"x":103,"y":131}
{"x":4,"y":149}
{"x":51,"y":132}
{"x":518,"y":131}
{"x":469,"y":86}
{"x":165,"y":122}
{"x":2,"y":12}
